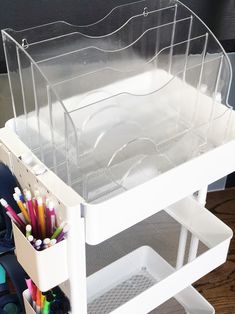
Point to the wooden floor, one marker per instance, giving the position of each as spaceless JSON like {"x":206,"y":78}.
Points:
{"x":218,"y":287}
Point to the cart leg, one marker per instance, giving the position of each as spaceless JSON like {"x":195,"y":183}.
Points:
{"x":201,"y":198}
{"x":182,"y":247}
{"x":77,"y":261}
{"x":193,"y":248}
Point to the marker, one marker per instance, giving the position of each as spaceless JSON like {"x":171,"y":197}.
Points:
{"x":28,"y":229}
{"x":58,"y":231}
{"x":51,"y":216}
{"x":31,"y":211}
{"x":46,"y":308}
{"x":19,"y":193}
{"x":12,"y":212}
{"x":36,"y":194}
{"x":30,"y":286}
{"x":15,"y":222}
{"x":34,"y":295}
{"x":62,"y":234}
{"x":48,"y":219}
{"x":30,"y":238}
{"x":42,"y":301}
{"x":52,"y":242}
{"x":46,"y":243}
{"x":38,"y":302}
{"x":22,"y":207}
{"x":38,"y":244}
{"x":35,"y":202}
{"x":41,"y":216}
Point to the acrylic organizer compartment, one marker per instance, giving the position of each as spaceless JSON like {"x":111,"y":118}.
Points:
{"x":47,"y":268}
{"x":144,"y":279}
{"x":119,"y":108}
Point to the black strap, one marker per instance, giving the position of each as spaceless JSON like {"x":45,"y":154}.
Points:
{"x":16,"y":274}
{"x":7,"y":184}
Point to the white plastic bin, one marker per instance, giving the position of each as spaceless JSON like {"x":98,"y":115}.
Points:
{"x":47,"y":268}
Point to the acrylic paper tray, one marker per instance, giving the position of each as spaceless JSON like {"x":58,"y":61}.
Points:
{"x":123,"y":108}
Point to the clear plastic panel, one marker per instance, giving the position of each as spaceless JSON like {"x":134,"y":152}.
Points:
{"x":114,"y":103}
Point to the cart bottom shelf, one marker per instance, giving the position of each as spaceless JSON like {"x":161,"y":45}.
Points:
{"x":125,"y":286}
{"x":122,"y":292}
{"x":189,"y":301}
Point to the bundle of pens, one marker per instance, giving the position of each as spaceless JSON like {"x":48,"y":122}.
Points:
{"x":38,"y":220}
{"x":50,"y":302}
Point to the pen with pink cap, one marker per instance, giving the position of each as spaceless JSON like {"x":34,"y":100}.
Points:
{"x":35,"y":201}
{"x":31,"y":288}
{"x":12,"y":213}
{"x":15,"y":222}
{"x":50,"y":218}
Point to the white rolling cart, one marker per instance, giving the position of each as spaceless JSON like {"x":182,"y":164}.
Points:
{"x":118,"y":121}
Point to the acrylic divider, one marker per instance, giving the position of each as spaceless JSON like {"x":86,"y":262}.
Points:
{"x":131,"y":15}
{"x":94,"y":127}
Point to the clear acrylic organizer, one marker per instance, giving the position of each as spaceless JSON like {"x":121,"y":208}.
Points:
{"x":116,"y":121}
{"x":109,"y":111}
{"x":116,"y":105}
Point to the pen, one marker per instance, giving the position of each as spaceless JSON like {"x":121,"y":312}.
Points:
{"x":31,"y":212}
{"x":34,"y":295}
{"x":15,"y":222}
{"x":41,"y":216}
{"x":46,"y":307}
{"x":58,"y":231}
{"x":31,"y":289}
{"x":38,"y":302}
{"x":51,"y":217}
{"x":52,"y":242}
{"x":62,"y":234}
{"x":12,"y":212}
{"x":48,"y":220}
{"x":46,"y":243}
{"x":38,"y":244}
{"x":42,"y":301}
{"x":19,"y":193}
{"x":22,"y":207}
{"x":28,"y":229}
{"x":30,"y":238}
